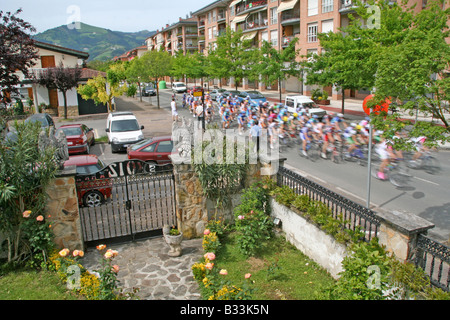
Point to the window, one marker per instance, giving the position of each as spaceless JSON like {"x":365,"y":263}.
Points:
{"x":214,"y":16}
{"x":209,"y":33}
{"x":313,"y":7}
{"x":150,"y":148}
{"x":312,"y":32}
{"x":265,"y":36}
{"x":165,"y":146}
{"x":327,"y":26}
{"x":274,"y":38}
{"x":273,"y":16}
{"x":327,"y":6}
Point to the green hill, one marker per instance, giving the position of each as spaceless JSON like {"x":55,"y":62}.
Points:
{"x":101,"y":44}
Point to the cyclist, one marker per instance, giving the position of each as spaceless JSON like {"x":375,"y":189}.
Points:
{"x":242,"y":119}
{"x":305,"y":136}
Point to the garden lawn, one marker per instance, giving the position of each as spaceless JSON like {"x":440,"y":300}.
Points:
{"x":33,"y":285}
{"x":279,"y":270}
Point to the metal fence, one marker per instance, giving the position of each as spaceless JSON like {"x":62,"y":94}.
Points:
{"x":353,"y":214}
{"x":431,"y":256}
{"x":434,"y":258}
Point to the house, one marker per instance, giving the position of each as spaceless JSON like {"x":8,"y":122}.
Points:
{"x":50,"y":56}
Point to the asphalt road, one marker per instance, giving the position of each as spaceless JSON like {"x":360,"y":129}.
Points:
{"x":426,"y":195}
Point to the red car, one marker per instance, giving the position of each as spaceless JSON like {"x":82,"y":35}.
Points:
{"x":79,"y":137}
{"x":155,"y":150}
{"x":92,"y":189}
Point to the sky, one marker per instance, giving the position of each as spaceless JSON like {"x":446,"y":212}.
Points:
{"x":116,"y":15}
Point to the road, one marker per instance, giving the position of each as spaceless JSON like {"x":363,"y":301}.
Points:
{"x":426,"y":196}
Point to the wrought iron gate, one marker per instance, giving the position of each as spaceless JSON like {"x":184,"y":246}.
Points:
{"x":125,"y":201}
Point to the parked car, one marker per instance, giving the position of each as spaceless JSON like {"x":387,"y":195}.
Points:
{"x":179,"y":87}
{"x":79,"y":137}
{"x":91,"y":191}
{"x":148,"y":91}
{"x":122,"y":129}
{"x":253,"y":97}
{"x":225,"y":94}
{"x":44,"y":118}
{"x":156,"y":149}
{"x":216,"y":92}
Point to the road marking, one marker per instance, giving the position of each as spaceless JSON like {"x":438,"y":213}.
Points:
{"x":425,"y":180}
{"x":354,"y":195}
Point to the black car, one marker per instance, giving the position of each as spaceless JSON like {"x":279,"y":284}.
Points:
{"x":44,"y":118}
{"x":148,"y":91}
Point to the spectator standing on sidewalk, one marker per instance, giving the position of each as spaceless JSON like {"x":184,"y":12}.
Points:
{"x":173,"y":106}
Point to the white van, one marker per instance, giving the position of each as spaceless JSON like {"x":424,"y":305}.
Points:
{"x":122,"y":129}
{"x":297,"y":103}
{"x":178,"y":87}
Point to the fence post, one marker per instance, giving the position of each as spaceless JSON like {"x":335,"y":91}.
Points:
{"x":62,"y":206}
{"x":399,"y":232}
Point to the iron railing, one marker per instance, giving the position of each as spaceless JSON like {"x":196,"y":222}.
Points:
{"x":434,"y":259}
{"x":353,"y":214}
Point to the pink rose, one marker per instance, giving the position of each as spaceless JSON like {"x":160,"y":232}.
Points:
{"x":209,"y":266}
{"x":206,"y":232}
{"x":64,"y":252}
{"x":40,"y":218}
{"x":223,"y":272}
{"x":26,"y":213}
{"x":247,"y":275}
{"x":210,"y":256}
{"x":240,"y":217}
{"x":115,"y":268}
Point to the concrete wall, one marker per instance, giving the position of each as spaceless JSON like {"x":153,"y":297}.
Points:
{"x":308,"y":238}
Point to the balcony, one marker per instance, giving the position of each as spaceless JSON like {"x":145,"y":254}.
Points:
{"x":201,"y":24}
{"x":246,"y":7}
{"x":290,"y":17}
{"x":253,"y":25}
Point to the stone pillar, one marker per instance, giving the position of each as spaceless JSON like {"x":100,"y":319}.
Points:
{"x":399,"y":231}
{"x":192,"y":215}
{"x":62,"y":205}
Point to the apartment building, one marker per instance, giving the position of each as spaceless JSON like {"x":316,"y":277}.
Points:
{"x":278,"y":22}
{"x":180,"y":36}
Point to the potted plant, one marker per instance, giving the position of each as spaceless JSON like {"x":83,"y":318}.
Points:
{"x":173,"y":238}
{"x":320,"y":97}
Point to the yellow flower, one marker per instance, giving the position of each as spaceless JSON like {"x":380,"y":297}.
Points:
{"x":101,"y":247}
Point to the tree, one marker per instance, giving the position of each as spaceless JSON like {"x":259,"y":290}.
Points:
{"x":61,"y":78}
{"x":17,"y":50}
{"x":103,"y":90}
{"x":413,"y":71}
{"x":277,"y":65}
{"x":153,"y":66}
{"x":345,"y":61}
{"x":231,"y":57}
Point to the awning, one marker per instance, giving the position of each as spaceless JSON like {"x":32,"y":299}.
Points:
{"x":286,"y":5}
{"x":240,"y":18}
{"x":235,"y":2}
{"x":249,"y":36}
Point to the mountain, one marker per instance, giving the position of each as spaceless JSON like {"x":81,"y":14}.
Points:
{"x":101,"y":44}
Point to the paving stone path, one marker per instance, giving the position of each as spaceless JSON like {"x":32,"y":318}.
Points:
{"x":145,"y":265}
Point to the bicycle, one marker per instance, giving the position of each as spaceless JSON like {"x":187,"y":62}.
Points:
{"x":312,"y":151}
{"x":395,"y":172}
{"x":358,"y":155}
{"x":426,"y":162}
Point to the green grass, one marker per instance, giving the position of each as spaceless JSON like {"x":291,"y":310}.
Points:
{"x":33,"y":285}
{"x":279,"y":270}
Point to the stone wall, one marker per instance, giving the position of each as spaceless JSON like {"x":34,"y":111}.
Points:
{"x":72,"y":111}
{"x":194,"y":210}
{"x":62,"y":205}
